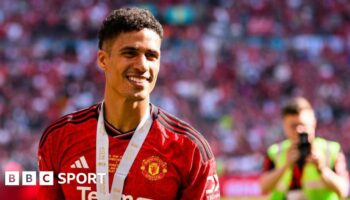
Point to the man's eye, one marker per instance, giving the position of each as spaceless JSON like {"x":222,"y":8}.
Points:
{"x":129,"y":53}
{"x":151,"y":56}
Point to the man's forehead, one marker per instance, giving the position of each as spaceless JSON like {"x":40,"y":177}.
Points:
{"x":139,"y":39}
{"x":147,"y":34}
{"x":304,"y":116}
{"x":307,"y":114}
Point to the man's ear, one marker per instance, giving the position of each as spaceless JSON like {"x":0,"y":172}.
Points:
{"x":102,"y":59}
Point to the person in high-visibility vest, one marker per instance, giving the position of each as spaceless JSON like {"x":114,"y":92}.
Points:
{"x":304,"y":169}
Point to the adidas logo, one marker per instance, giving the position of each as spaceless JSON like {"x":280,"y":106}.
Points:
{"x":80,"y":163}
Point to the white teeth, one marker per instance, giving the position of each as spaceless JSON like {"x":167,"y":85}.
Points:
{"x":137,"y":79}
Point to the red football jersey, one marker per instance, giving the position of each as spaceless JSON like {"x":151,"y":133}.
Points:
{"x":175,"y":161}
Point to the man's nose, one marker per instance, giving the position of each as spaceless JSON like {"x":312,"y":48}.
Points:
{"x":142,"y":63}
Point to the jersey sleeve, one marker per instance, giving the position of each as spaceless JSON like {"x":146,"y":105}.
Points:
{"x":268,"y":164}
{"x":202,"y":182}
{"x":47,"y":155}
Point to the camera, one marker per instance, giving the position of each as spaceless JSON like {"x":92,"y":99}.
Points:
{"x":304,"y":148}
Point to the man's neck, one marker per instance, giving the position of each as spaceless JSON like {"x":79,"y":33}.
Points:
{"x":125,"y":115}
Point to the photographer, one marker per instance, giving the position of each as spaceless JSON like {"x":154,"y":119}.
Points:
{"x":304,"y":166}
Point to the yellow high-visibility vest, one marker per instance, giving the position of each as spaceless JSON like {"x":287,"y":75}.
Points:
{"x":311,"y":184}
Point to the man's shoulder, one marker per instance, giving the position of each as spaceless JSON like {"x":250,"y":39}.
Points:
{"x":321,"y":139}
{"x":281,"y":144}
{"x":77,"y":118}
{"x":179,"y":127}
{"x":278,"y":147}
{"x":326,"y":143}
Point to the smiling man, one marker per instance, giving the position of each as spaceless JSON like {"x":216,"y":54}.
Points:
{"x":125,"y":147}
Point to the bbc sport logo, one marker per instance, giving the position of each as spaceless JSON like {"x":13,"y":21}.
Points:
{"x":47,"y":178}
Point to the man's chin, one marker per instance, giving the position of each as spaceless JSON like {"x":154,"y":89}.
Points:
{"x":138,"y":97}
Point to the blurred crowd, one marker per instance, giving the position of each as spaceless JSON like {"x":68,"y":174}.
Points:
{"x":226,"y":67}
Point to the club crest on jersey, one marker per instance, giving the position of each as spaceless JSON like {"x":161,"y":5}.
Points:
{"x":153,"y":168}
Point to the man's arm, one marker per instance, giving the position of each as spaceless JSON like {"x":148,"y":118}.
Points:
{"x":269,"y":179}
{"x":337,"y":179}
{"x":202,"y":182}
{"x":45,"y":163}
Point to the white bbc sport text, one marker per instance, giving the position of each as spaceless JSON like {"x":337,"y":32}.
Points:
{"x":80,"y":178}
{"x":47,"y":178}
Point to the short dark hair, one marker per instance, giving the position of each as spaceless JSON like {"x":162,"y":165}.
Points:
{"x":127,"y":20}
{"x":295,"y":106}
